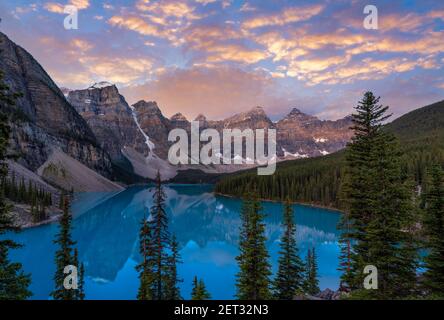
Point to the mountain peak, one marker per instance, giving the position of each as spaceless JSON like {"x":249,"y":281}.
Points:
{"x":256,"y":110}
{"x":147,"y":106}
{"x":295,"y":111}
{"x":200,"y":117}
{"x":297,"y":115}
{"x":101,"y":85}
{"x":178,"y":117}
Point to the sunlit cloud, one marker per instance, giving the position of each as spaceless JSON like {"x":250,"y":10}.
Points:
{"x":135,"y":23}
{"x":236,"y":53}
{"x":368,"y":69}
{"x":174,"y":10}
{"x":286,"y":16}
{"x":56,"y":7}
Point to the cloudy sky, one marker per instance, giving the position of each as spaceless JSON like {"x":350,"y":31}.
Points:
{"x":219,"y":57}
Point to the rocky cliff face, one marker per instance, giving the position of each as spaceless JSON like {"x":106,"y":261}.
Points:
{"x":298,"y":135}
{"x":155,"y":126}
{"x":301,"y":135}
{"x":179,"y":121}
{"x":252,"y":119}
{"x":43,"y":119}
{"x":110,"y":118}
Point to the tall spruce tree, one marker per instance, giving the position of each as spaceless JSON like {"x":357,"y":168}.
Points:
{"x":290,"y":274}
{"x":81,"y":295}
{"x":160,"y":240}
{"x":311,"y":282}
{"x":80,"y":291}
{"x":14,"y":282}
{"x":145,"y":268}
{"x":434,"y":234}
{"x":194,"y":287}
{"x":378,"y":217}
{"x":172,"y":281}
{"x":64,"y":256}
{"x":199,"y":290}
{"x":252,"y":280}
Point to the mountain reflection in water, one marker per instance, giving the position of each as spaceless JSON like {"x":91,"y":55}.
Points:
{"x":106,"y":228}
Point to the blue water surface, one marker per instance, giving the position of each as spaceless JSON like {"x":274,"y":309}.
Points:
{"x":106,"y":227}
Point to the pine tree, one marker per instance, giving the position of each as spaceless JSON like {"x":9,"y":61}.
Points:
{"x":378,"y":217}
{"x":312,"y":273}
{"x":199,"y":290}
{"x":289,"y":278}
{"x":160,"y":239}
{"x":172,"y":279}
{"x":64,"y":256}
{"x":195,"y":287}
{"x":145,"y":268}
{"x":434,"y":233}
{"x":14,"y":282}
{"x":81,"y":295}
{"x":80,"y":291}
{"x":252,"y":280}
{"x":311,"y":283}
{"x":62,"y":200}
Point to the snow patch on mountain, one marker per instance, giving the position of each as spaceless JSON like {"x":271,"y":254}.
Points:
{"x":148,"y":142}
{"x":320,"y":140}
{"x":100,"y":85}
{"x":295,"y":155}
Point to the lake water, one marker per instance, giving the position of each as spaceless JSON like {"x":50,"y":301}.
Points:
{"x":106,"y":227}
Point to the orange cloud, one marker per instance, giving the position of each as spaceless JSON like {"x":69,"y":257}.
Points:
{"x":135,"y":23}
{"x":237,"y":53}
{"x":429,"y":44}
{"x":308,"y":66}
{"x":56,"y":7}
{"x":178,"y":10}
{"x":368,"y":69}
{"x":80,"y":4}
{"x":81,"y":44}
{"x":289,"y":15}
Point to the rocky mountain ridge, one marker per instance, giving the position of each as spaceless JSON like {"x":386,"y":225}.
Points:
{"x":145,"y":135}
{"x":109,"y":117}
{"x":42,"y":119}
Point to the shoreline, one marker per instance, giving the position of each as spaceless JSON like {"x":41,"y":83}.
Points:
{"x":318,"y":206}
{"x":54,"y":217}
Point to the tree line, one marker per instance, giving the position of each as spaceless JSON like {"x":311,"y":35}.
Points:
{"x":20,"y":192}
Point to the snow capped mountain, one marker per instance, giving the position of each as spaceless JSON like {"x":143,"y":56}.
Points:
{"x":101,"y":85}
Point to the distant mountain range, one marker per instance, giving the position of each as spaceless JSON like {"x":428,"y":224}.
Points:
{"x":99,"y":129}
{"x":142,"y":129}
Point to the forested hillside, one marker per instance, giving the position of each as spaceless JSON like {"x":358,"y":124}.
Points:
{"x":318,"y":180}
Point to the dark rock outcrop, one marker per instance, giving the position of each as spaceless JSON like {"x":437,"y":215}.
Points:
{"x":299,"y":134}
{"x":154,"y":124}
{"x":42,"y":118}
{"x":179,"y":121}
{"x":110,"y":118}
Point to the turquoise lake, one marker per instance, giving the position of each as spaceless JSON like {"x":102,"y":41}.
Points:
{"x":106,"y":227}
